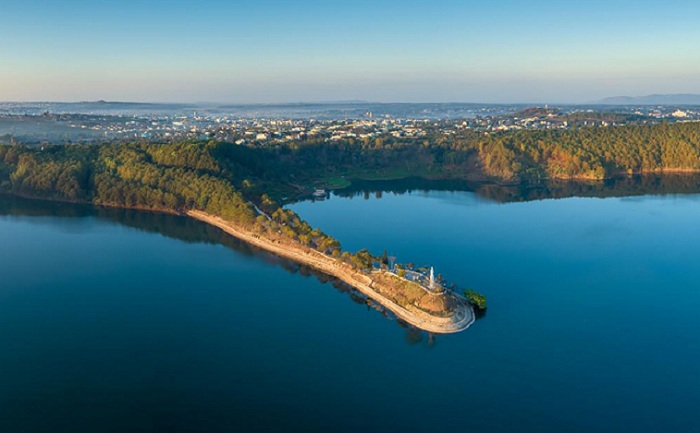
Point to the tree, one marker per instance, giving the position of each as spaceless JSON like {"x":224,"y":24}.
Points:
{"x":476,"y":298}
{"x":363,"y":259}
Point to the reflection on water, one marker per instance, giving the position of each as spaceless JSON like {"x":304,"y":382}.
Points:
{"x":193,"y":231}
{"x":617,"y":187}
{"x":183,"y":229}
{"x":590,"y":329}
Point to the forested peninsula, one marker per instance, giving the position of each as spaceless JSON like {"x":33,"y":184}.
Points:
{"x":193,"y":179}
{"x":244,"y":186}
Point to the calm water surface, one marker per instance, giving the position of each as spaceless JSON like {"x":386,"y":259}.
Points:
{"x":123,"y":321}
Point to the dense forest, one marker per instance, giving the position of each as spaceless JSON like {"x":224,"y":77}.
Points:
{"x":125,"y":175}
{"x":590,"y":153}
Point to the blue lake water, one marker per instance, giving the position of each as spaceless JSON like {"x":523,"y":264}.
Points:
{"x":125,"y":321}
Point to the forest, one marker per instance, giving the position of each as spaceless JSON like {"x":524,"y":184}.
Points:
{"x":593,"y":153}
{"x":515,"y":157}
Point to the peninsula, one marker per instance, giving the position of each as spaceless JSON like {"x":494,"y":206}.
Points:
{"x":439,"y":312}
{"x":187,"y":179}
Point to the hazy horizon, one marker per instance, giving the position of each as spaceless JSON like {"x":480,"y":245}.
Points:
{"x":345,"y":102}
{"x":308,"y":51}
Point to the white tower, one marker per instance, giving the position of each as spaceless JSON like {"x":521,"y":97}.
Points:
{"x":432,"y":278}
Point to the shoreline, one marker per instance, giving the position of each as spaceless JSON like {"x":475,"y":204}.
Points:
{"x":493,"y":181}
{"x":457,"y":322}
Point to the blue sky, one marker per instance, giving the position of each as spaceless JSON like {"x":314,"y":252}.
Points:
{"x":308,"y":50}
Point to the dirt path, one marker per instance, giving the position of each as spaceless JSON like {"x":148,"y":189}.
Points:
{"x":462,"y":318}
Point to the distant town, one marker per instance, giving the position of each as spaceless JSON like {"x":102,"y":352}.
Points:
{"x":275,"y":125}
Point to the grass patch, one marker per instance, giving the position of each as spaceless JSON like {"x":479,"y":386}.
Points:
{"x":333,"y":183}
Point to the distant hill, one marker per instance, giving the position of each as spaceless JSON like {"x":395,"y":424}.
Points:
{"x":669,"y":99}
{"x":536,"y":112}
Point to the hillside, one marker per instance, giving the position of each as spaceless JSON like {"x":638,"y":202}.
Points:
{"x":656,"y":99}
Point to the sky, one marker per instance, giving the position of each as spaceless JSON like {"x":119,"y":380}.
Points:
{"x":266,"y":51}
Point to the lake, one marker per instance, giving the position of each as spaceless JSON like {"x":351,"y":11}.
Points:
{"x":115,"y":320}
